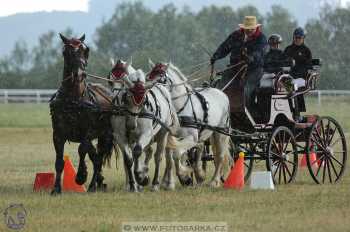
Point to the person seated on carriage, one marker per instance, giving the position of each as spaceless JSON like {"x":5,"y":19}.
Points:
{"x":303,"y":61}
{"x":275,"y":58}
{"x":247,"y":44}
{"x":274,"y":62}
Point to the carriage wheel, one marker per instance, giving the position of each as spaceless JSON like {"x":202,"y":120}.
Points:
{"x":327,"y":152}
{"x":248,"y":159}
{"x":282,"y":156}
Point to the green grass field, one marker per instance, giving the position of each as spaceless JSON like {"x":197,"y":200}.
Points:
{"x":26,"y":148}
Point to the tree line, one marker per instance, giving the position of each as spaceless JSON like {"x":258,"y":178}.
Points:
{"x":181,"y":36}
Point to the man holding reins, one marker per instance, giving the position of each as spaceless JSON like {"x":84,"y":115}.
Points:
{"x":246,"y":45}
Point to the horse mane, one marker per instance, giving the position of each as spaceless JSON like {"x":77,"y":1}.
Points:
{"x":138,"y":75}
{"x":177,"y":71}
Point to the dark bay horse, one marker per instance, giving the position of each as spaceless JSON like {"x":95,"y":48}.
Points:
{"x":80,"y":113}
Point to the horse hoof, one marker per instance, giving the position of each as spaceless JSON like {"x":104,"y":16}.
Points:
{"x":168,"y":186}
{"x":200,"y":180}
{"x":155,"y":188}
{"x":135,"y":188}
{"x":214,"y":184}
{"x":102,"y":188}
{"x":145,"y":181}
{"x":81,"y":178}
{"x":92,"y":189}
{"x":187,"y":181}
{"x":56,"y":192}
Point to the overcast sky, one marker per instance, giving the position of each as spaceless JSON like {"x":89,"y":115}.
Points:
{"x":9,"y":7}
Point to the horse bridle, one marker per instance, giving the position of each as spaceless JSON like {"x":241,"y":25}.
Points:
{"x":83,"y":62}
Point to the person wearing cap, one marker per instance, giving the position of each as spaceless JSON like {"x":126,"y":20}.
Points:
{"x":303,"y":61}
{"x":246,"y":44}
{"x":275,"y":57}
{"x":300,"y":53}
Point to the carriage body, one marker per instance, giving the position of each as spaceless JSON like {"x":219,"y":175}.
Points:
{"x":274,"y":133}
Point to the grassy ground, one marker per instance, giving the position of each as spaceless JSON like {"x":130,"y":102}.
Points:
{"x":26,"y":148}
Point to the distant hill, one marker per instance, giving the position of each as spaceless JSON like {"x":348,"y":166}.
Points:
{"x":28,"y":26}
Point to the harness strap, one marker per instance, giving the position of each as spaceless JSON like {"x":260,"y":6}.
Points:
{"x":167,"y":99}
{"x":183,"y":107}
{"x":194,"y":112}
{"x":205,"y":105}
{"x":158,"y":113}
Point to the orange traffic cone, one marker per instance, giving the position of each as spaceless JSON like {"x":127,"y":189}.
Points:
{"x":313,"y":159}
{"x":303,"y":163}
{"x":44,"y":181}
{"x":236,"y":177}
{"x":69,"y":177}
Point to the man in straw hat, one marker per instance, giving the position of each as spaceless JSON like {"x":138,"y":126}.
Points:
{"x":247,"y":44}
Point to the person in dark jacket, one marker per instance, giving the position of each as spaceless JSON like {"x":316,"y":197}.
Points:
{"x":275,"y":57}
{"x":300,"y":53}
{"x":303,"y":61}
{"x":247,"y":44}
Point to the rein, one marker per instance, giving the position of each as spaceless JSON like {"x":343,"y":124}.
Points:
{"x":101,"y":78}
{"x":244,"y":67}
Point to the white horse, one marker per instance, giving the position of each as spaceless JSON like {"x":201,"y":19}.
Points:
{"x":118,"y":75}
{"x":195,"y":107}
{"x":148,"y":116}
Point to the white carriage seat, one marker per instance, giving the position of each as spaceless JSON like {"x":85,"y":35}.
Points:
{"x":267,"y":80}
{"x":298,"y":83}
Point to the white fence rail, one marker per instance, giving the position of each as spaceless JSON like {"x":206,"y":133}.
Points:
{"x":44,"y":95}
{"x":25,"y":95}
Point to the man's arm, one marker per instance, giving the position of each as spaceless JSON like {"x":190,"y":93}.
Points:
{"x":223,"y":50}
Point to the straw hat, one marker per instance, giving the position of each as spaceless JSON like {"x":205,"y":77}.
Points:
{"x":249,"y":23}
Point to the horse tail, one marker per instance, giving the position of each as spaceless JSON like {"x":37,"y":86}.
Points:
{"x":117,"y":152}
{"x":105,"y":147}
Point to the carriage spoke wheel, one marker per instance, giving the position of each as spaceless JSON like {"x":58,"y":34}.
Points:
{"x":327,"y":152}
{"x":282,"y":156}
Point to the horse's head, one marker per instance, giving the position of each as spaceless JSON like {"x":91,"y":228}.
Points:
{"x":158,"y":72}
{"x":134,"y":97}
{"x":75,"y":53}
{"x":167,"y":74}
{"x":119,"y":72}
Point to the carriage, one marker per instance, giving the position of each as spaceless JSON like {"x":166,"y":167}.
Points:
{"x":274,"y":136}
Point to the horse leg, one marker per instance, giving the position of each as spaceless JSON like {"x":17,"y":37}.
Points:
{"x":181,"y":171}
{"x":168,"y":181}
{"x":197,"y":167}
{"x":162,"y":138}
{"x":95,"y":161}
{"x":104,"y":151}
{"x":220,"y":148}
{"x":82,"y":169}
{"x":148,"y":156}
{"x":141,"y":177}
{"x":128,"y":163}
{"x":59,"y":163}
